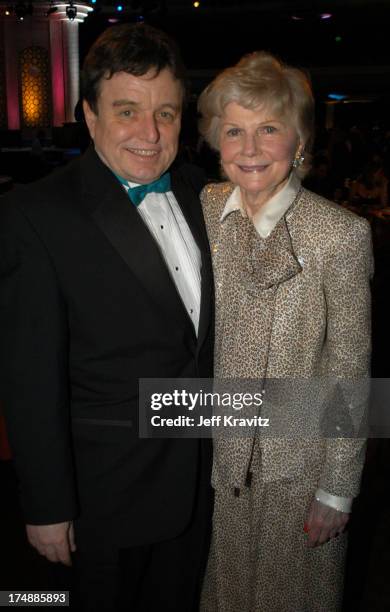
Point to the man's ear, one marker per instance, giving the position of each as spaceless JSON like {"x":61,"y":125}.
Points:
{"x":90,"y":118}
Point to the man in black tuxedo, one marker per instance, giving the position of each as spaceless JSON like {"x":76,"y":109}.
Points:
{"x":106,"y":279}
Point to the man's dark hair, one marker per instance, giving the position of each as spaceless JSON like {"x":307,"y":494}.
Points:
{"x":131,"y":48}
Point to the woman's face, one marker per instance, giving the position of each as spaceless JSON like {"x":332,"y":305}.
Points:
{"x":257,"y":150}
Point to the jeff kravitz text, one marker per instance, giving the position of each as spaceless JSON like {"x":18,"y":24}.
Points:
{"x":214,"y":421}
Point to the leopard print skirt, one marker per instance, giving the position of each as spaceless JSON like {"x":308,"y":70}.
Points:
{"x":259,"y":560}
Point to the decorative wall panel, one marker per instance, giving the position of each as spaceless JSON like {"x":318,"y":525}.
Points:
{"x":35,"y":91}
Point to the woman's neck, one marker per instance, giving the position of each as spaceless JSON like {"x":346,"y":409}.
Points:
{"x":254,"y":202}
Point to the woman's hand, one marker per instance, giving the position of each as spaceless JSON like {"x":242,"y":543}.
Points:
{"x":323,"y":523}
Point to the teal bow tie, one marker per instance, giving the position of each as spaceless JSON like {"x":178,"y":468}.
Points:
{"x":137,"y":194}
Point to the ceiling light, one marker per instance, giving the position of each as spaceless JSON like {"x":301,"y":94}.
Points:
{"x":71,"y":11}
{"x":337,"y":96}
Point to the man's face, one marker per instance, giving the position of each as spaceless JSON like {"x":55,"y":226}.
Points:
{"x":136,"y":128}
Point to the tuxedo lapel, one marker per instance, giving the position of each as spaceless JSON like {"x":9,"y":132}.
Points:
{"x":120,"y":222}
{"x":190,"y":206}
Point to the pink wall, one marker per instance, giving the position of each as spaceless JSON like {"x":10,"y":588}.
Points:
{"x":11,"y":75}
{"x":57,"y":73}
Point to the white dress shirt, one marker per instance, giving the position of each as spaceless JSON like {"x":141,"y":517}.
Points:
{"x":162,"y":215}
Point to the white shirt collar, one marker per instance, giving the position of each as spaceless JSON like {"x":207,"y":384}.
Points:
{"x":130,"y":185}
{"x":268,"y":216}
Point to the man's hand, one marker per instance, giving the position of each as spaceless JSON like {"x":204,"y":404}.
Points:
{"x":323,"y":523}
{"x":55,"y":542}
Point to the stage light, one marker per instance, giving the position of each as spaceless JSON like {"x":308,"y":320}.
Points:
{"x":93,"y":1}
{"x":119,"y":8}
{"x":338,"y":39}
{"x":196,"y":4}
{"x":71,"y":11}
{"x":325,"y":15}
{"x":337,"y":96}
{"x":7,"y":12}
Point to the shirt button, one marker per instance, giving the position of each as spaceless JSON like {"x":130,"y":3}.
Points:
{"x":176,"y":268}
{"x":162,"y":227}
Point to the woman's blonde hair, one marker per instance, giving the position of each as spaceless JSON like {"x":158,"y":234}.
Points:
{"x":261,"y":80}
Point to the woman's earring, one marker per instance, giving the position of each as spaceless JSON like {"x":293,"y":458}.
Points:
{"x":298,"y":161}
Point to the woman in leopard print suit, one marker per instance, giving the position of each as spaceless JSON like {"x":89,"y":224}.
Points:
{"x":292,"y":275}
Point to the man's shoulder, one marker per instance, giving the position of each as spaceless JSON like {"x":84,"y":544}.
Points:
{"x":189,"y":174}
{"x":48,"y":206}
{"x":63,"y":193}
{"x":51,"y":190}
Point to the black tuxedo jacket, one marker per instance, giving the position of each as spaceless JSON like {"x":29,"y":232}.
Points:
{"x":87,"y":307}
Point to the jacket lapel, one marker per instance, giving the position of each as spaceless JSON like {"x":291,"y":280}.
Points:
{"x":266,"y":262}
{"x":190,"y":206}
{"x":120,"y":222}
{"x":277,"y":259}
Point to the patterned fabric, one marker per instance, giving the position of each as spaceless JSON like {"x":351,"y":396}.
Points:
{"x":259,"y":561}
{"x":296,"y":304}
